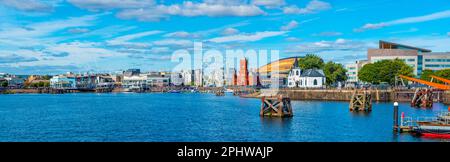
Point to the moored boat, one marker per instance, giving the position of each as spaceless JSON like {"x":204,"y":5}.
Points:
{"x":438,"y":128}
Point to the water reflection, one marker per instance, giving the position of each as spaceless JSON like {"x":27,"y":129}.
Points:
{"x":275,"y":122}
{"x":360,"y":113}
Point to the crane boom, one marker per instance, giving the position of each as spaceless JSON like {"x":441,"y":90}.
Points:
{"x":441,"y":79}
{"x":435,"y":85}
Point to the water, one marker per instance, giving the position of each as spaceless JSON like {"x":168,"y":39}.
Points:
{"x":190,"y":117}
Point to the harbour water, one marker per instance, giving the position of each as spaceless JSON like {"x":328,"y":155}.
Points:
{"x":164,"y":117}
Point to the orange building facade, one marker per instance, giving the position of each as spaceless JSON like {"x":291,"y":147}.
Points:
{"x":243,"y":72}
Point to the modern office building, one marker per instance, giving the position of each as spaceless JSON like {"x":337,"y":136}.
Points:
{"x":353,"y":69}
{"x":418,"y":58}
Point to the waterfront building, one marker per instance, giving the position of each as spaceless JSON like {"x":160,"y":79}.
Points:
{"x":418,"y":58}
{"x":218,"y":77}
{"x":352,"y":71}
{"x":294,"y":75}
{"x":243,"y":72}
{"x":231,"y":77}
{"x":134,"y":82}
{"x":188,"y":77}
{"x":117,"y":78}
{"x":276,"y":71}
{"x":253,"y":78}
{"x":132,"y":72}
{"x":309,"y":78}
{"x":86,"y":81}
{"x":176,"y":78}
{"x":159,"y":79}
{"x":13,"y":81}
{"x":104,"y":81}
{"x":198,"y":77}
{"x":63,"y":82}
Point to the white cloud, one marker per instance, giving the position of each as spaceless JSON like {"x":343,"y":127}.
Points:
{"x":410,"y":30}
{"x":78,"y":30}
{"x":313,"y":6}
{"x":328,"y":34}
{"x":291,"y":25}
{"x":182,"y":34}
{"x":123,"y":41}
{"x":173,"y":42}
{"x":40,"y":33}
{"x":190,"y":9}
{"x":27,"y":5}
{"x":111,"y":4}
{"x":225,"y":2}
{"x":129,"y":37}
{"x":230,"y":31}
{"x":337,"y":45}
{"x":269,"y":3}
{"x":247,"y":37}
{"x":292,"y":39}
{"x":408,"y":20}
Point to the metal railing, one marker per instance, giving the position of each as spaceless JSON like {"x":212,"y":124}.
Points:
{"x":441,"y":117}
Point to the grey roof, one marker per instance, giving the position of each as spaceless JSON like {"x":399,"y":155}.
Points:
{"x":312,"y":73}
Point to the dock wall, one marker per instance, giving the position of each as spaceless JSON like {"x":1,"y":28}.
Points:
{"x":346,"y":95}
{"x":333,"y":95}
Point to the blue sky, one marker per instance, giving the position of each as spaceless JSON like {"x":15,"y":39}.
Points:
{"x":56,"y":36}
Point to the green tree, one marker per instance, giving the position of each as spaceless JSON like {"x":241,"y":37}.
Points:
{"x":384,"y":71}
{"x":311,"y":61}
{"x":334,"y":72}
{"x":426,"y":74}
{"x":46,"y":77}
{"x":444,"y":73}
{"x":4,"y":84}
{"x":46,"y":84}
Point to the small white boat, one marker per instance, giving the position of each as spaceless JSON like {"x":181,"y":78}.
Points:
{"x":229,"y":91}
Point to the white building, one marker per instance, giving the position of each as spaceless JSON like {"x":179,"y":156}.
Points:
{"x":134,"y":82}
{"x":198,"y":77}
{"x":309,"y":78}
{"x":352,"y":71}
{"x":188,"y":77}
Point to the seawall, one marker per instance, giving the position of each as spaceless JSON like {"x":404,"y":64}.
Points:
{"x":334,"y":95}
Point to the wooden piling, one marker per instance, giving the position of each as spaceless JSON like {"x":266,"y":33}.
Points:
{"x":423,"y":98}
{"x":361,"y":101}
{"x":276,"y":107}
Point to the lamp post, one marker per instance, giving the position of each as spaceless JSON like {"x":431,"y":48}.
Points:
{"x":395,"y":116}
